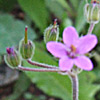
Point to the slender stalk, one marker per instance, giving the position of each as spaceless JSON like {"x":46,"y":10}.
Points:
{"x":91,"y":28}
{"x":74,"y":79}
{"x":41,"y":64}
{"x":38,"y":70}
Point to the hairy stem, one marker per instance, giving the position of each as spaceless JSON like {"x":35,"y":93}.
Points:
{"x":74,"y":79}
{"x":91,"y":28}
{"x":41,"y":64}
{"x":37,"y":70}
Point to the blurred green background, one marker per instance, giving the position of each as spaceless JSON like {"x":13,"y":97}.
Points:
{"x":39,"y":14}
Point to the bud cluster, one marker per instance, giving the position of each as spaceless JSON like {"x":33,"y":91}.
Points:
{"x":13,"y":58}
{"x":27,"y":47}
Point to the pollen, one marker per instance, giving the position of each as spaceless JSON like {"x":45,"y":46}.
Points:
{"x":73,"y":48}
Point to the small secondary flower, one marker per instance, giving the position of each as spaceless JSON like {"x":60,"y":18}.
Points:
{"x":73,"y":51}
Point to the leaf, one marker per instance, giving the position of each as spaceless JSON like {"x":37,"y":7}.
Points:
{"x":80,"y":19}
{"x":65,"y":4}
{"x":7,"y":5}
{"x":75,"y":3}
{"x":96,"y":31}
{"x":37,"y":11}
{"x":21,"y":86}
{"x":11,"y":32}
{"x":56,"y":8}
{"x":57,"y":85}
{"x":67,"y":22}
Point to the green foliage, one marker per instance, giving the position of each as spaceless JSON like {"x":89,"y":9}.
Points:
{"x":65,"y":4}
{"x":56,"y":8}
{"x":7,"y":5}
{"x":75,"y":3}
{"x":58,"y":85}
{"x":29,"y":96}
{"x":80,"y":19}
{"x":96,"y":31}
{"x":69,"y":12}
{"x":21,"y":86}
{"x":11,"y":32}
{"x":36,"y":9}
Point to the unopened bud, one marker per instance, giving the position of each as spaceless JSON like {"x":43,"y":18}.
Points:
{"x":26,"y":50}
{"x":26,"y":47}
{"x":51,"y":33}
{"x":92,"y":12}
{"x":12,"y":58}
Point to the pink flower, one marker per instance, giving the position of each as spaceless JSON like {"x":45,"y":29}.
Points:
{"x":73,"y":50}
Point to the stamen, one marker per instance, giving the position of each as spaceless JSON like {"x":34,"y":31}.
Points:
{"x":73,"y":48}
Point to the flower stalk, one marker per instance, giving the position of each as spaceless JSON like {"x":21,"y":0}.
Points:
{"x":38,"y":70}
{"x":91,"y":28}
{"x":41,"y":64}
{"x":74,"y":79}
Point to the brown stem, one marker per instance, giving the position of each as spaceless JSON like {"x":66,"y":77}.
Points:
{"x":91,"y":28}
{"x":41,"y":64}
{"x":74,"y":79}
{"x":38,"y":70}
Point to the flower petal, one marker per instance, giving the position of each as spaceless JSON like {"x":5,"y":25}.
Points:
{"x":84,"y":63}
{"x":65,"y":63}
{"x":70,"y":36}
{"x":87,"y":43}
{"x":56,"y":49}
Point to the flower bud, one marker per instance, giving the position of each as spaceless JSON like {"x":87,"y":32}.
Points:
{"x":26,"y":50}
{"x":92,"y":12}
{"x":12,"y":58}
{"x":51,"y":33}
{"x":26,"y":47}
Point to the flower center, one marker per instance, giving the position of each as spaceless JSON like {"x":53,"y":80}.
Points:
{"x":73,"y":48}
{"x":73,"y":51}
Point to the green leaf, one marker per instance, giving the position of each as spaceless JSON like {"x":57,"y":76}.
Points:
{"x":37,"y":11}
{"x":11,"y":32}
{"x":80,"y":19}
{"x":57,"y":85}
{"x":7,"y":5}
{"x":55,"y":7}
{"x":20,"y":87}
{"x":65,"y":4}
{"x":96,"y":31}
{"x":75,"y":3}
